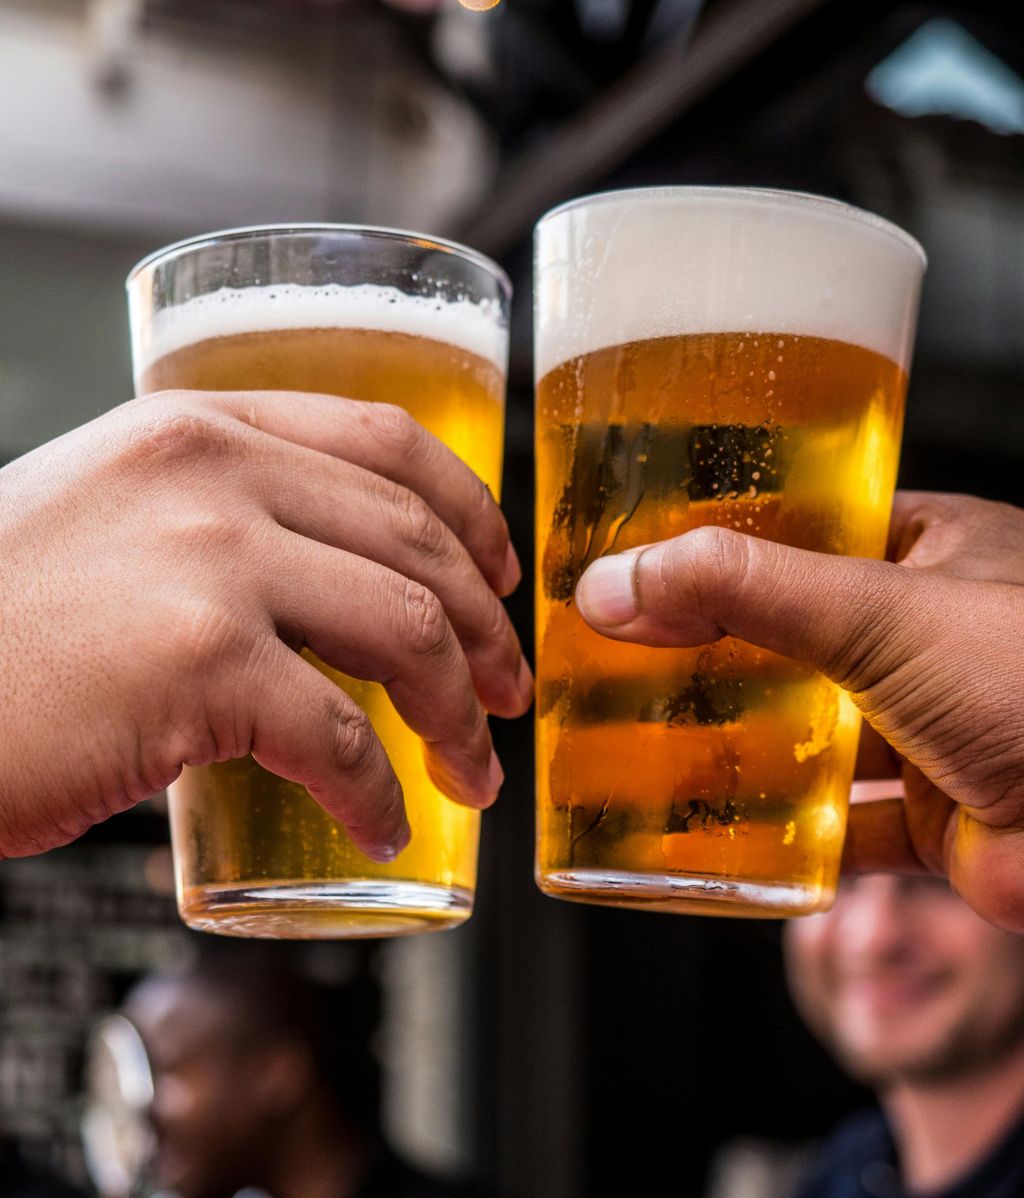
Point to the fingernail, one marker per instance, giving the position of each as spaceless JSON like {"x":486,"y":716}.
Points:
{"x":495,"y":774}
{"x":606,"y":594}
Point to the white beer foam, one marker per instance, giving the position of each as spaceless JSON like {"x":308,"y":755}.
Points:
{"x":629,"y":266}
{"x":232,"y":311}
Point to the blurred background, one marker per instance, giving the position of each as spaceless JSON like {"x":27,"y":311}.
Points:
{"x":551,"y":1049}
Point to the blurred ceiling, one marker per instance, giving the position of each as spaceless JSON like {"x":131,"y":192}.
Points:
{"x":212,"y":112}
{"x":168,"y":117}
{"x":154,"y":119}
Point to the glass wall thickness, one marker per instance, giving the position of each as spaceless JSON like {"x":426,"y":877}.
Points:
{"x":705,"y":356}
{"x":370,"y":315}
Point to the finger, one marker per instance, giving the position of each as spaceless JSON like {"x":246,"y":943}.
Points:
{"x":308,"y":730}
{"x":930,"y":817}
{"x":876,"y":758}
{"x":983,"y":863}
{"x":375,"y":518}
{"x":898,"y":826}
{"x":959,"y":535}
{"x":985,"y":870}
{"x":911,"y":512}
{"x":387,"y":441}
{"x":878,"y":841}
{"x":855,"y":620}
{"x":372,"y":623}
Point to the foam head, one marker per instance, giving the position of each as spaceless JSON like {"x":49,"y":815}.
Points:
{"x":634,"y":265}
{"x":476,"y":327}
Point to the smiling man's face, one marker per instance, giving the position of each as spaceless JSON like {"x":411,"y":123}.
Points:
{"x":903,"y":981}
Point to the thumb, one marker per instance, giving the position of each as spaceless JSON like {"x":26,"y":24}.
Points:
{"x":854,"y":619}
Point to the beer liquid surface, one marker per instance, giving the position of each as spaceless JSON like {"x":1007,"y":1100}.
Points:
{"x":239,"y":829}
{"x":667,"y":775}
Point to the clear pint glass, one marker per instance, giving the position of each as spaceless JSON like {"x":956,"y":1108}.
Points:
{"x":705,"y":356}
{"x":369,"y":314}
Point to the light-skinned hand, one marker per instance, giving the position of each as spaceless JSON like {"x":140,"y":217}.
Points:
{"x":161,"y":567}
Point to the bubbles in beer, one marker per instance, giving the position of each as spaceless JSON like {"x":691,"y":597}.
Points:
{"x":696,"y":367}
{"x":723,"y":760}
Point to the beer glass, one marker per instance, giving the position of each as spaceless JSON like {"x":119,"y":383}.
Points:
{"x":370,"y":314}
{"x":733,"y":357}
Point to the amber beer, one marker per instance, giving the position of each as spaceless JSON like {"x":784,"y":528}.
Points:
{"x":727,"y":357}
{"x":254,"y":854}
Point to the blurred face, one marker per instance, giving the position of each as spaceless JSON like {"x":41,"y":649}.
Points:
{"x":215,"y":1100}
{"x":904,"y":982}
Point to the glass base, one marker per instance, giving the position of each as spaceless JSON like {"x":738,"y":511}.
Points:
{"x":359,"y":908}
{"x":692,"y":894}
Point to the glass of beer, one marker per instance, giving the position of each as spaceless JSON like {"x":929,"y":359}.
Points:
{"x":370,"y":314}
{"x":732,"y":357}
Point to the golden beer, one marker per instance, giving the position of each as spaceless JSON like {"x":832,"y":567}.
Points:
{"x":254,"y":854}
{"x":715,"y":779}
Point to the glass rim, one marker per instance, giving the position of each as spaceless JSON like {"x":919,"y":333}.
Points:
{"x":250,"y":232}
{"x":764,"y":195}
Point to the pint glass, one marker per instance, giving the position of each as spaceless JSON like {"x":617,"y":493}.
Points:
{"x":733,"y":357}
{"x":369,"y":314}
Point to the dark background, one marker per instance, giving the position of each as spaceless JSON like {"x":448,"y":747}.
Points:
{"x":682,"y":1025}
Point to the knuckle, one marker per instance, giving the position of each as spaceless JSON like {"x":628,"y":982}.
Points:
{"x":693,"y":587}
{"x":174,"y":437}
{"x":353,"y":749}
{"x":709,"y":558}
{"x":420,"y":528}
{"x":394,"y":425}
{"x":728,"y":554}
{"x":203,"y":635}
{"x":428,"y":633}
{"x":220,"y":534}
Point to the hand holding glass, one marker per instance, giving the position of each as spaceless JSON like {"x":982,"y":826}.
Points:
{"x":369,"y":315}
{"x":705,"y":356}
